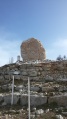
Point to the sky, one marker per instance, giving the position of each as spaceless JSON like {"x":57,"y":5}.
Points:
{"x":45,"y":20}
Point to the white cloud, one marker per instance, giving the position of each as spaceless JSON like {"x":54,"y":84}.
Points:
{"x":58,"y":47}
{"x":8,"y":48}
{"x":61,"y":43}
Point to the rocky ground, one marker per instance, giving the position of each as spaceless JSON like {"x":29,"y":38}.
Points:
{"x":53,"y":107}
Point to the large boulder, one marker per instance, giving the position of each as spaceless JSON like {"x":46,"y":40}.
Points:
{"x":8,"y":97}
{"x":35,"y":100}
{"x":24,"y":99}
{"x":32,"y":49}
{"x":61,"y":100}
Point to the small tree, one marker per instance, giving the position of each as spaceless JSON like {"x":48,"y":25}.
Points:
{"x":64,"y":57}
{"x":59,"y":58}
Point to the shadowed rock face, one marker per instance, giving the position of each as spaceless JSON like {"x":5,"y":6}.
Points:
{"x":32,"y":49}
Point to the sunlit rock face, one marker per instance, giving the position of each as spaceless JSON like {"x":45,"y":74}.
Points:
{"x":32,"y":49}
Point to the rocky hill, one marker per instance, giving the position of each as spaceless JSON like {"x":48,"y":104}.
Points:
{"x":48,"y":81}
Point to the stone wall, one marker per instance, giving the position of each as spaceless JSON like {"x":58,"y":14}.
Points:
{"x":45,"y":86}
{"x":52,"y":71}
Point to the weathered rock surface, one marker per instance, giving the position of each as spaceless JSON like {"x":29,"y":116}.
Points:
{"x":4,"y":87}
{"x":32,"y":49}
{"x":24,"y":99}
{"x":61,"y":100}
{"x":47,"y":89}
{"x":38,"y":100}
{"x":8,"y":97}
{"x":34,"y":88}
{"x":35,"y":100}
{"x":33,"y":73}
{"x":1,"y":97}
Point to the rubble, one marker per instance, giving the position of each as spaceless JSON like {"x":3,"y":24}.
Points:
{"x":48,"y":88}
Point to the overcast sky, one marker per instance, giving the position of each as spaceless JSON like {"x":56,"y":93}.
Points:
{"x":45,"y":20}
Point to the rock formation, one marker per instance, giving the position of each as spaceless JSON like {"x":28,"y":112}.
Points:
{"x":32,"y":49}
